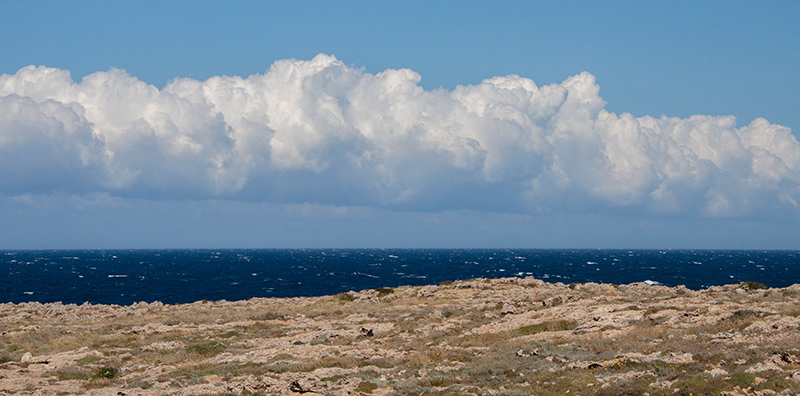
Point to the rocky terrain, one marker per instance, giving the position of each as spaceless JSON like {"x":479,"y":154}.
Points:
{"x":506,"y":336}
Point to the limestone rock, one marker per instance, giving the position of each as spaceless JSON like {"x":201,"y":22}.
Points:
{"x":716,"y":372}
{"x":509,"y":309}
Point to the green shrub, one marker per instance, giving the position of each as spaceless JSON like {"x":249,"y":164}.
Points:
{"x":106,"y":372}
{"x":384,"y":291}
{"x":366,"y":387}
{"x":753,"y":285}
{"x":743,"y":380}
{"x":345,"y":297}
{"x":700,"y":385}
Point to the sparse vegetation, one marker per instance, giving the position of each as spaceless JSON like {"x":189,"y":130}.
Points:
{"x":206,"y":349}
{"x":559,"y":325}
{"x":106,"y":372}
{"x":596,"y":340}
{"x":753,"y":285}
{"x":88,"y":360}
{"x":366,"y":387}
{"x":345,"y":297}
{"x":384,"y":291}
{"x":69,"y":373}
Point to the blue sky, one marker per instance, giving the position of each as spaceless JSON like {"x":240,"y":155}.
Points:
{"x":127,"y":166}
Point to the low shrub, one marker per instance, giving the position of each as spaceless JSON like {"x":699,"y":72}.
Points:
{"x":70,"y":373}
{"x":206,"y":349}
{"x":559,"y":325}
{"x":138,"y":382}
{"x":106,"y":372}
{"x":753,"y":285}
{"x":229,"y":334}
{"x":345,"y":297}
{"x":88,"y":360}
{"x":366,"y":387}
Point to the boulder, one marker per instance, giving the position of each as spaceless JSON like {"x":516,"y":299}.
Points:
{"x":509,"y":309}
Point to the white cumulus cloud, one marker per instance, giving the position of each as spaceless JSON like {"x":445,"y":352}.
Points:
{"x":322,"y":132}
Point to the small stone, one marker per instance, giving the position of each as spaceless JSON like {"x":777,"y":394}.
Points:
{"x":27,"y":357}
{"x":509,"y":309}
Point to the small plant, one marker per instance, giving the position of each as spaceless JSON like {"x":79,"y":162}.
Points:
{"x":206,"y":349}
{"x":229,"y":334}
{"x":88,"y":360}
{"x":106,"y":372}
{"x":366,"y":387}
{"x":69,"y":373}
{"x":440,"y":380}
{"x":745,"y":313}
{"x":446,"y":283}
{"x":244,"y":393}
{"x":267,"y":316}
{"x":138,"y":382}
{"x":742,"y":380}
{"x":559,"y":325}
{"x":753,"y":285}
{"x":345,"y":297}
{"x":384,"y":291}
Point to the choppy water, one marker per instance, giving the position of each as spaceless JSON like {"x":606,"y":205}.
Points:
{"x":178,"y":276}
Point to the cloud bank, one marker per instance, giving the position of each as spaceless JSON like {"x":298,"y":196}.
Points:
{"x":322,"y":132}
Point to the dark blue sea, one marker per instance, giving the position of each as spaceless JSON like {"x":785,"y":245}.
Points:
{"x":179,"y":276}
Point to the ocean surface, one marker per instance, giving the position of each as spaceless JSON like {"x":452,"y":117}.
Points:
{"x":179,"y":276}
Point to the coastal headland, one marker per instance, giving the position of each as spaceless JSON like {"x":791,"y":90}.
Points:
{"x":507,"y":336}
